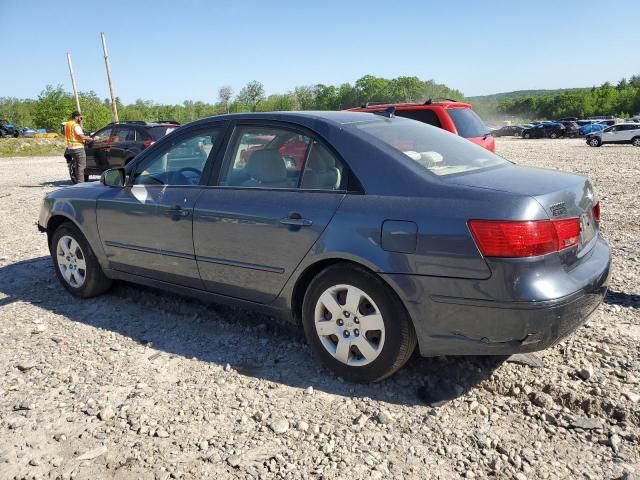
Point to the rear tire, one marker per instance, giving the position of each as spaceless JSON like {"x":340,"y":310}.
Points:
{"x":356,"y":324}
{"x":553,"y":135}
{"x":635,"y":141}
{"x":595,"y":142}
{"x":75,"y":264}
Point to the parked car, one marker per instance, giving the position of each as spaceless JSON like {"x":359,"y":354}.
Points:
{"x":620,"y":133}
{"x":591,"y":128}
{"x":544,"y":130}
{"x":455,"y":117}
{"x":571,"y":128}
{"x":117,"y":144}
{"x":391,"y":234}
{"x":508,"y":131}
{"x":8,"y":130}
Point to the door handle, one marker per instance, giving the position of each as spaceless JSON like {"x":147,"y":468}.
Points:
{"x":177,"y":211}
{"x":295,"y":220}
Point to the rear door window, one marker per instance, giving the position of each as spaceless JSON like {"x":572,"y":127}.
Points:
{"x":264,"y":157}
{"x":467,"y":122}
{"x":425,"y":116}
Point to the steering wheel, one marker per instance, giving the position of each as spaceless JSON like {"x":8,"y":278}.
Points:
{"x":194,"y":178}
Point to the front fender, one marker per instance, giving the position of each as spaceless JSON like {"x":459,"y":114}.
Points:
{"x":79,"y":210}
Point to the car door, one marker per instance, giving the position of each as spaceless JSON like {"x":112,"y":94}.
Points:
{"x":146,"y":227}
{"x":625,"y":133}
{"x":609,"y":135}
{"x":255,"y":225}
{"x":98,"y":149}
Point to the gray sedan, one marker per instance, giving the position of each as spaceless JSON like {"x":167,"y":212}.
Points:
{"x":374,"y":233}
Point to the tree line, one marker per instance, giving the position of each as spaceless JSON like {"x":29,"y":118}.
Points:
{"x":54,"y":104}
{"x":621,"y":100}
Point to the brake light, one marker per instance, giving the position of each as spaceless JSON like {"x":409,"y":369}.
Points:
{"x":497,"y":238}
{"x":596,"y":211}
{"x":147,"y":143}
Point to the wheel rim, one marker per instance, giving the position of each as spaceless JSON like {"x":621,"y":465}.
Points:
{"x":594,"y":142}
{"x":349,"y":325}
{"x":636,"y":142}
{"x":71,"y":261}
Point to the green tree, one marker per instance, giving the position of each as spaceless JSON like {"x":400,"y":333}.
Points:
{"x":251,"y":95}
{"x":53,"y":107}
{"x":225,"y":94}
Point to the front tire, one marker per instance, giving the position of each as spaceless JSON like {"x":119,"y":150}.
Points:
{"x":526,"y":135}
{"x":356,"y":324}
{"x":595,"y":142}
{"x":553,"y":135}
{"x":75,"y":264}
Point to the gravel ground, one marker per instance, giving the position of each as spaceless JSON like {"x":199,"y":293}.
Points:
{"x":143,"y":384}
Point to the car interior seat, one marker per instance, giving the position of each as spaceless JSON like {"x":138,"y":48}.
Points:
{"x":321,"y":171}
{"x":266,"y":168}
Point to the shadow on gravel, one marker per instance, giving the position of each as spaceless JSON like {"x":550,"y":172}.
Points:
{"x":253,"y":344}
{"x":622,"y":298}
{"x":57,"y":183}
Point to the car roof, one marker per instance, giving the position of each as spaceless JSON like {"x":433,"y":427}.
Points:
{"x":304,"y":117}
{"x":413,"y":105}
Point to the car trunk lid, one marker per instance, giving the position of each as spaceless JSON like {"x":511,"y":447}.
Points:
{"x":561,"y":195}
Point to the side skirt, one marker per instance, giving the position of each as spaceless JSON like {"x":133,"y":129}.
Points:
{"x":201,"y":294}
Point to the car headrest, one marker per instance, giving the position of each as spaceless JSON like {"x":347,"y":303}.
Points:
{"x":266,"y":166}
{"x":320,"y":159}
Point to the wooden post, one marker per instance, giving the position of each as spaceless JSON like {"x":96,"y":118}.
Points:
{"x":114,"y":106}
{"x":73,"y":83}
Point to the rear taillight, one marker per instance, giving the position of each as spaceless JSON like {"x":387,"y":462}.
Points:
{"x":596,"y":211}
{"x":497,"y":238}
{"x":147,"y":143}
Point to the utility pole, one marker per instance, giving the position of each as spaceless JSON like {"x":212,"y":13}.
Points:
{"x":114,"y":107}
{"x":73,"y":82}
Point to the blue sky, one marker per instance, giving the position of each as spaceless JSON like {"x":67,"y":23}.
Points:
{"x":169,"y":51}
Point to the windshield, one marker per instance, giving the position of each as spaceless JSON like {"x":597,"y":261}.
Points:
{"x":467,"y":122}
{"x":433,"y":149}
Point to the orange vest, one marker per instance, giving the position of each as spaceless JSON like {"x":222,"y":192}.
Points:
{"x":71,"y":138}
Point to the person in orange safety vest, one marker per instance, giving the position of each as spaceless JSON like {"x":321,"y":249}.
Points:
{"x":75,"y":139}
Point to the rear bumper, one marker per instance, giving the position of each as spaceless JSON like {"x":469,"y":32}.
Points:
{"x":460,"y":325}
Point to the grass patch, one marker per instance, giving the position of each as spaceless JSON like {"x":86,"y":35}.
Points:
{"x":30,"y":147}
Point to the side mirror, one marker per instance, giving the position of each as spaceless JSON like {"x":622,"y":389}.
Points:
{"x":114,"y":177}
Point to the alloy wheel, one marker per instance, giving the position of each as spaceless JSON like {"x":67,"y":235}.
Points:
{"x":636,"y":142}
{"x":350,"y":325}
{"x":71,"y":261}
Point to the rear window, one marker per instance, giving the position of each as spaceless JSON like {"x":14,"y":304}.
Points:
{"x":467,"y":122}
{"x":424,"y":116}
{"x":432,"y":149}
{"x":157,"y":133}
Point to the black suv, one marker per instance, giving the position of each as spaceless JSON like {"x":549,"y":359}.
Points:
{"x":118,"y":143}
{"x":544,"y":130}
